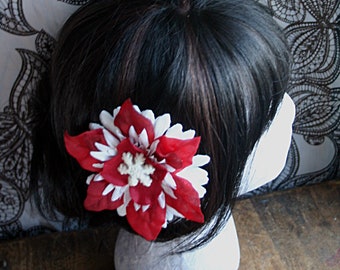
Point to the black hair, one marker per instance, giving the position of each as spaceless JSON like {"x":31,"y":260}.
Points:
{"x":219,"y":67}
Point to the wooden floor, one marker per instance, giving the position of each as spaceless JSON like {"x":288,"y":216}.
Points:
{"x":87,"y":250}
{"x":296,"y":229}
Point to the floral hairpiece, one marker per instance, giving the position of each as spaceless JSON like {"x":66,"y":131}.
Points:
{"x":142,"y":167}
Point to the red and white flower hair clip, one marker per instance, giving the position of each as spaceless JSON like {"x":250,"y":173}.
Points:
{"x":142,"y":167}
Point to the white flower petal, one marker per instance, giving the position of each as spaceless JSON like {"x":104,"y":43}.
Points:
{"x":98,"y":178}
{"x":115,"y":112}
{"x":110,"y":139}
{"x":169,"y":216}
{"x":116,"y":131}
{"x":136,"y":206}
{"x":162,"y":124}
{"x":98,"y":165}
{"x":168,"y":190}
{"x":145,"y":207}
{"x":89,"y":178}
{"x":174,"y":131}
{"x":143,"y":139}
{"x":118,"y":192}
{"x":161,"y":200}
{"x":106,"y":149}
{"x":171,"y":211}
{"x":200,"y":190}
{"x":169,"y":168}
{"x":133,"y":135}
{"x":194,"y":175}
{"x":189,"y":134}
{"x":149,"y":115}
{"x":93,"y":126}
{"x":127,"y":197}
{"x":137,"y":108}
{"x":107,"y":120}
{"x":200,"y":160}
{"x":153,"y":147}
{"x":197,"y":177}
{"x":108,"y":189}
{"x":169,"y":180}
{"x":121,"y":210}
{"x":101,"y":156}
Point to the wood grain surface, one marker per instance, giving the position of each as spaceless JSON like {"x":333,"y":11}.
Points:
{"x":90,"y":249}
{"x":295,"y":229}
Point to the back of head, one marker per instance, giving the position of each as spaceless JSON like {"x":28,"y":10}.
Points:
{"x":217,"y":66}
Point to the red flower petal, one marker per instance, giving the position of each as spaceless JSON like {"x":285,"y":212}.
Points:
{"x":187,"y":202}
{"x":111,"y":174}
{"x":178,"y":153}
{"x":81,"y":145}
{"x":128,"y":116}
{"x":149,"y":195}
{"x":147,"y":224}
{"x":95,"y":201}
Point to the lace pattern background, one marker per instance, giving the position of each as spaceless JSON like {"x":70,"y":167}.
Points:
{"x":312,"y":28}
{"x":27,"y":36}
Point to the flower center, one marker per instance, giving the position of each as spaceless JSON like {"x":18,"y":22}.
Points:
{"x":135,"y":167}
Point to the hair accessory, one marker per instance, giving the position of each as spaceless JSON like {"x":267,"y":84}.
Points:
{"x":142,"y":167}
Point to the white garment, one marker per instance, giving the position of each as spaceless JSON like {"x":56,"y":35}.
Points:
{"x":135,"y":253}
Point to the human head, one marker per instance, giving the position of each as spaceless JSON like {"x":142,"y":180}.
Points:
{"x":219,"y":67}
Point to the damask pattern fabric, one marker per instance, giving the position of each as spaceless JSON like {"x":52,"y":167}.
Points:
{"x":28,"y":31}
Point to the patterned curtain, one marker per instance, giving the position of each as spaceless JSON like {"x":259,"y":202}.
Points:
{"x":27,"y":36}
{"x":312,"y":28}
